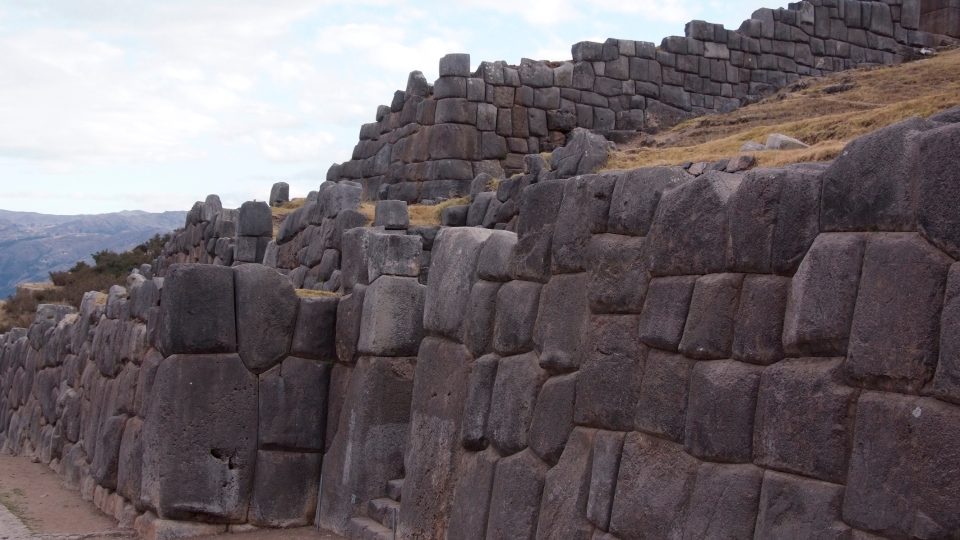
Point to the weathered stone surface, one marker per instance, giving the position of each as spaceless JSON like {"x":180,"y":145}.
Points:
{"x":584,"y":153}
{"x":720,"y":409}
{"x":129,"y":465}
{"x":583,"y":211}
{"x":946,"y":382}
{"x":514,"y":397}
{"x":353,"y":266}
{"x":433,"y":450}
{"x":937,"y":193}
{"x":279,"y":193}
{"x":653,"y":486}
{"x":822,"y":297}
{"x":517,"y":306}
{"x":662,"y":406}
{"x":515,"y":497}
{"x":635,"y":198}
{"x":794,"y":507}
{"x":871,"y":185}
{"x":293,"y":405}
{"x":607,"y":447}
{"x":471,"y":497}
{"x":349,"y":317}
{"x":608,"y":384}
{"x":481,"y":317}
{"x":708,"y":333}
{"x":266,"y":315}
{"x":566,"y":490}
{"x":476,"y":407}
{"x":197,"y":310}
{"x":211,"y":403}
{"x":665,"y":310}
{"x":285,"y":489}
{"x":689,"y":230}
{"x":367,"y":449}
{"x":315,"y":333}
{"x":255,"y":219}
{"x":896,"y":323}
{"x":757,"y":337}
{"x":452,"y":274}
{"x":106,"y":456}
{"x":797,"y":434}
{"x":553,"y":417}
{"x":539,"y":205}
{"x":393,"y":255}
{"x":618,"y":274}
{"x":562,"y":315}
{"x":391,"y":215}
{"x":392,"y":321}
{"x":149,"y":527}
{"x":723,"y":503}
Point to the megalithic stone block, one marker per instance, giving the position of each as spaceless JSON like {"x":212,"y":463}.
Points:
{"x":210,"y":403}
{"x":255,"y":219}
{"x":392,"y":321}
{"x":279,"y":193}
{"x":293,"y":405}
{"x":197,"y":310}
{"x":266,"y":315}
{"x":315,"y":333}
{"x":285,"y":489}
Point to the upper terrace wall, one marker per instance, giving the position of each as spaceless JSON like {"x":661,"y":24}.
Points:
{"x":433,"y":139}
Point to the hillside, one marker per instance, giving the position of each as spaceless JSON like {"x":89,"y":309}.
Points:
{"x":825,"y":113}
{"x":33,"y":245}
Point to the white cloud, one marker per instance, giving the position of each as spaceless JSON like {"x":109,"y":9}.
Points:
{"x":295,"y":147}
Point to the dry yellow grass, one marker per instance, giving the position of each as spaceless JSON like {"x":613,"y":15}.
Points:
{"x":310,"y":293}
{"x":825,"y":113}
{"x":429,"y":215}
{"x":281,"y":212}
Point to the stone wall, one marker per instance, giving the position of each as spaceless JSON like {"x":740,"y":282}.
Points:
{"x":432,"y":140}
{"x":181,"y":405}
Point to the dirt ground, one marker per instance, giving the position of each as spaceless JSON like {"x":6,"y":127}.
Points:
{"x":37,"y":505}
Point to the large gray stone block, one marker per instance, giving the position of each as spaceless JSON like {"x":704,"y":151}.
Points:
{"x":515,"y":497}
{"x":584,"y":210}
{"x":903,"y":480}
{"x":618,"y":274}
{"x":896,"y":324}
{"x":561,"y":320}
{"x":481,"y":317}
{"x":822,"y":297}
{"x":662,"y":406}
{"x":393,"y":255}
{"x":392,"y":321}
{"x":723,"y":503}
{"x":279,"y":193}
{"x":476,"y":407}
{"x":636,"y":196}
{"x":471,"y":497}
{"x":266,"y":315}
{"x":604,"y":468}
{"x":315,"y":333}
{"x":452,"y":274}
{"x":608,"y":384}
{"x":285,"y":489}
{"x":197,"y":310}
{"x":566,"y":491}
{"x":937,"y":191}
{"x":708,"y":333}
{"x":584,"y":153}
{"x":349,"y":318}
{"x":539,"y":207}
{"x":758,"y":332}
{"x":871,"y":185}
{"x":517,"y":306}
{"x":553,"y":417}
{"x":210,"y":402}
{"x":514,"y":398}
{"x":391,"y":215}
{"x":720,"y":410}
{"x":654,"y":484}
{"x":795,"y":507}
{"x":255,"y":219}
{"x":665,"y":310}
{"x":293,"y":405}
{"x":946,"y":382}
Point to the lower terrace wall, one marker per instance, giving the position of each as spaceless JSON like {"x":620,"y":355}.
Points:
{"x":432,"y":140}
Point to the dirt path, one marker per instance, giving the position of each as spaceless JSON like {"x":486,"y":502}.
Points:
{"x":36,"y":505}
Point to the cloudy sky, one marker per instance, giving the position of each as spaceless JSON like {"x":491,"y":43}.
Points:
{"x":109,"y":105}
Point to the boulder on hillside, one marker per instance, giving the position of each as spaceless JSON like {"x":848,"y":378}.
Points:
{"x":584,"y":153}
{"x":779,"y":141}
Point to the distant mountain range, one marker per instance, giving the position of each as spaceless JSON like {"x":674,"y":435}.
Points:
{"x":33,"y":245}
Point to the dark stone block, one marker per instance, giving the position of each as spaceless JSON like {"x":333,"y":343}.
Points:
{"x":559,"y":326}
{"x":653,"y":487}
{"x":515,"y":391}
{"x":583,"y":211}
{"x":757,"y":337}
{"x":708,"y":333}
{"x":106,"y":457}
{"x":266,"y":307}
{"x":515,"y":497}
{"x":210,"y":402}
{"x":481,"y":317}
{"x":607,"y":447}
{"x":871,"y":186}
{"x":471,"y":497}
{"x":635,"y":198}
{"x":539,"y":206}
{"x":720,"y":409}
{"x":315,"y":333}
{"x":285,"y":489}
{"x":794,"y":507}
{"x":392,"y":320}
{"x":822,"y":296}
{"x":689,"y":231}
{"x":129,"y":465}
{"x":665,"y":310}
{"x":483,"y":374}
{"x":608,"y":384}
{"x":723,"y":503}
{"x":662,"y":406}
{"x":566,"y":491}
{"x":903,"y":480}
{"x":452,"y":274}
{"x":896,"y":323}
{"x":937,"y":193}
{"x":517,"y":306}
{"x":946,"y":382}
{"x":553,"y":417}
{"x":618,"y":274}
{"x":293,"y":405}
{"x":197,"y":310}
{"x":255,"y":219}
